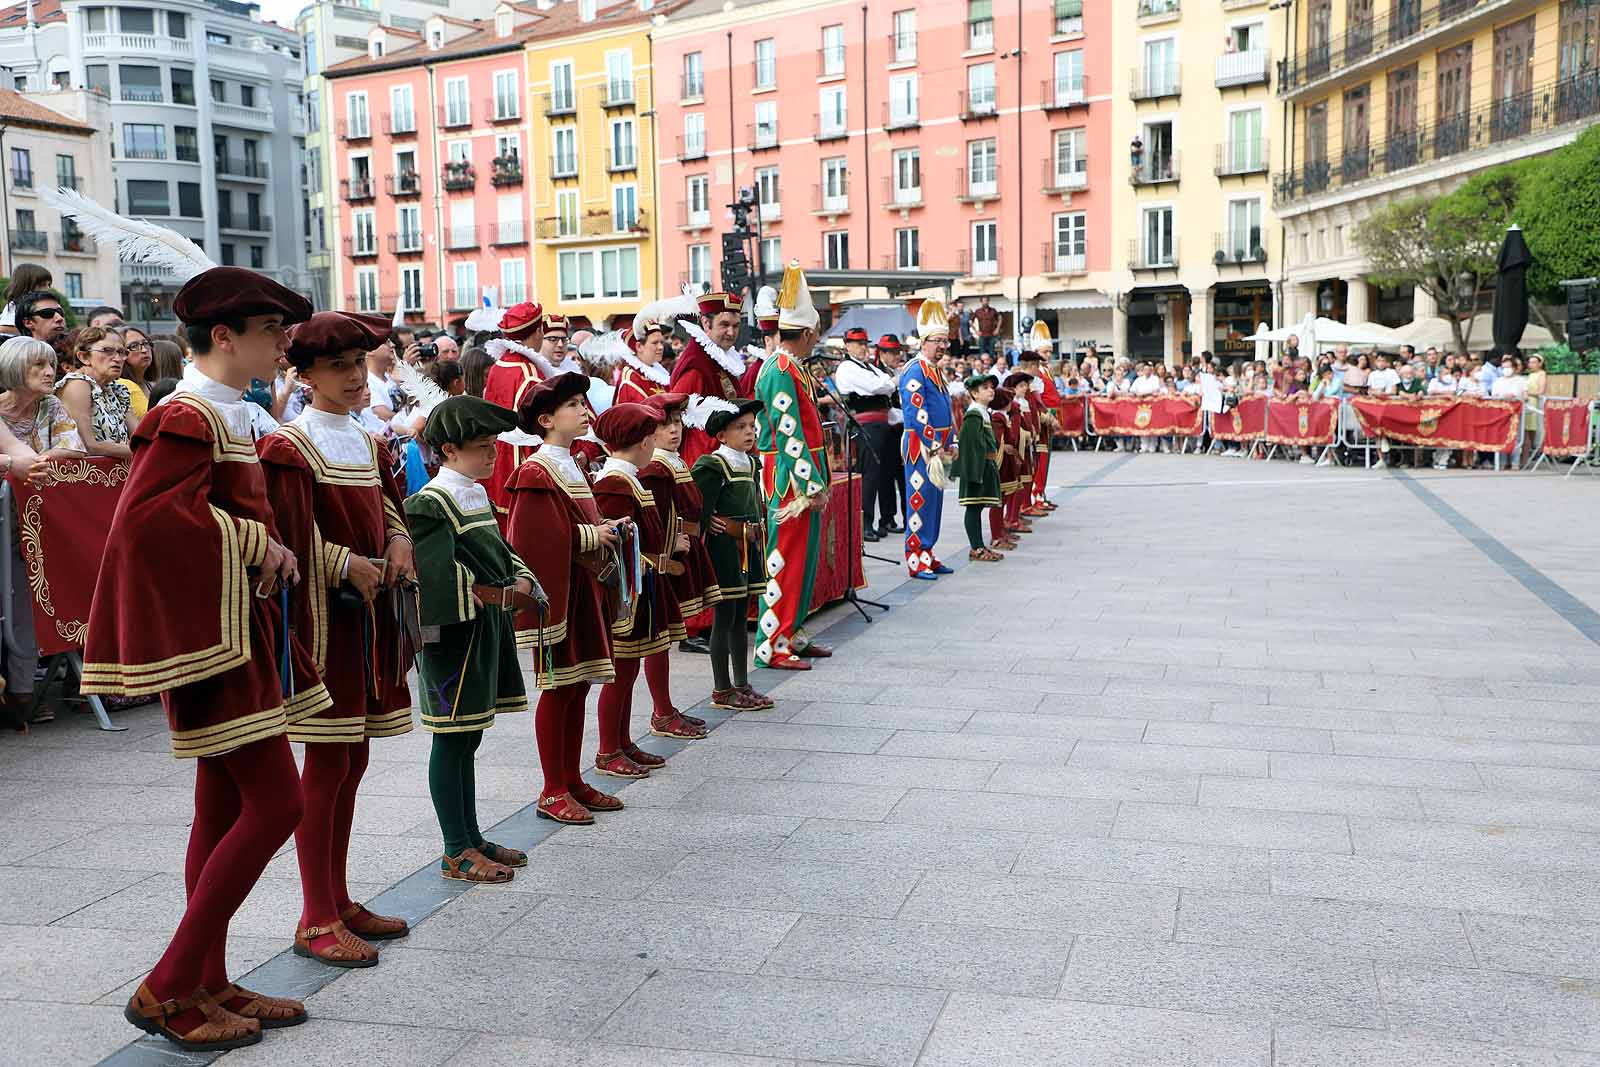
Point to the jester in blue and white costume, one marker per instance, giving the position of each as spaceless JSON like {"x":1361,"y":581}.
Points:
{"x":929,"y":436}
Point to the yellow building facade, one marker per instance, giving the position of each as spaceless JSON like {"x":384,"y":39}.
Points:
{"x":1196,"y":132}
{"x":1389,"y":102}
{"x":593,"y":194}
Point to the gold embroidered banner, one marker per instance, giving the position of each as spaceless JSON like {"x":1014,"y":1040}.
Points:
{"x":1441,"y":422}
{"x":63,"y":519}
{"x":1308,"y":422}
{"x":1156,"y":416}
{"x":1566,"y":427}
{"x":1245,"y":421}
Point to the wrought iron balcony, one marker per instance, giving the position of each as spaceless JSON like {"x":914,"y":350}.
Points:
{"x":459,"y":176}
{"x":356,"y":190}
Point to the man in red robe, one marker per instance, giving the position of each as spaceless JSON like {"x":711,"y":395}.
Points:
{"x":208,"y":634}
{"x":709,"y":365}
{"x":514,"y":371}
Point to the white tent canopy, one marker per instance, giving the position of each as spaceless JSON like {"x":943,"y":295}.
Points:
{"x":1314,"y":331}
{"x":1479,"y":332}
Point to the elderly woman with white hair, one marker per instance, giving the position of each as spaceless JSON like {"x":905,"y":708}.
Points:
{"x":34,"y":428}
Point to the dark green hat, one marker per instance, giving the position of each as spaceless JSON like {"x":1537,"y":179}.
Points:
{"x":464,"y":418}
{"x":718,"y":420}
{"x":975,"y":380}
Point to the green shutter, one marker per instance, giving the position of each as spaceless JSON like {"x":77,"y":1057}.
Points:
{"x":1069,"y":9}
{"x":980,"y":10}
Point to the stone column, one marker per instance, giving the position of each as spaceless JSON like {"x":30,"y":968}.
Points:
{"x":1355,"y":301}
{"x":1201,"y":307}
{"x":1119,"y":332}
{"x":1423,"y":305}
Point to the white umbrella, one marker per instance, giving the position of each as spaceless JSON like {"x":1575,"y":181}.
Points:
{"x":1314,"y":331}
{"x":1263,"y":347}
{"x":1434,"y":332}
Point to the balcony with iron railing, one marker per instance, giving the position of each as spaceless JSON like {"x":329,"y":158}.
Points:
{"x":831,"y":202}
{"x":693,"y":220}
{"x":903,"y":47}
{"x":1238,"y":249}
{"x":564,"y":166}
{"x":1152,"y":12}
{"x":976,"y":106}
{"x":360,"y":130}
{"x":616,"y":94}
{"x":1239,"y":69}
{"x":1056,"y":259}
{"x":1061,"y":94}
{"x":69,"y":181}
{"x":691,"y":147}
{"x":987,"y":267}
{"x":901,"y":198}
{"x":458,"y":238}
{"x":1498,"y":123}
{"x":459,"y":176}
{"x":356,"y":248}
{"x":456,"y":116}
{"x":399,"y":123}
{"x":77,"y":243}
{"x":507,"y":170}
{"x":30,"y":241}
{"x":620,"y":161}
{"x":402,"y":185}
{"x":357,"y":190}
{"x":508,"y":232}
{"x":1158,"y":82}
{"x":900,"y":115}
{"x":405,"y":243}
{"x":1068,"y":179}
{"x":762,"y":136}
{"x":22,"y":180}
{"x":691,"y":87}
{"x":830,"y":127}
{"x":1408,"y":26}
{"x":1236,"y":159}
{"x":563,"y":103}
{"x":244,"y":222}
{"x":143,"y":94}
{"x":234,"y":167}
{"x":830,"y":61}
{"x":591,"y":224}
{"x":1154,"y":257}
{"x":1156,"y":168}
{"x":978,"y":187}
{"x":503,"y":108}
{"x":143,"y":153}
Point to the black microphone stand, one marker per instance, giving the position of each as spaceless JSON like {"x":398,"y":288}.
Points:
{"x":851,"y":597}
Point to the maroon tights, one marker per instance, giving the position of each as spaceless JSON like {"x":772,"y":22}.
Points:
{"x":246,"y":804}
{"x":616,"y":705}
{"x":322,"y":842}
{"x":558,"y":726}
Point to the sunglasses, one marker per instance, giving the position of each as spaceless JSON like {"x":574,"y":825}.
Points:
{"x":48,"y":313}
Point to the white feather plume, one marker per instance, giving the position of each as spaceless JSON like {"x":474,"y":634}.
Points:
{"x":606,"y":349}
{"x":663,"y":312}
{"x":137,"y":241}
{"x":700,"y":408}
{"x":424,"y":391}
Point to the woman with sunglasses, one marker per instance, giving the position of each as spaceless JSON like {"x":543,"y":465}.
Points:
{"x":94,"y":395}
{"x":136,"y":371}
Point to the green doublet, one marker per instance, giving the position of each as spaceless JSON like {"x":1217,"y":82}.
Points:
{"x":975,"y":464}
{"x":468,"y":664}
{"x":731,"y":494}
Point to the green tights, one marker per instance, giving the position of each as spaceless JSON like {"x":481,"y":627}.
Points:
{"x":450,"y":781}
{"x":974,"y":523}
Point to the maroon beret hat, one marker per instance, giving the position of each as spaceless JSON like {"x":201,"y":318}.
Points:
{"x":1002,"y":399}
{"x":666,"y":404}
{"x":542,"y":398}
{"x":328,"y":333}
{"x":716,"y":303}
{"x":1016,"y":378}
{"x":625,"y":425}
{"x":233,"y":293}
{"x":768,"y":326}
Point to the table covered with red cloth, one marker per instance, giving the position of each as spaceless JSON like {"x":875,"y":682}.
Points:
{"x":1440,"y":421}
{"x":63,"y":520}
{"x":839,"y":552}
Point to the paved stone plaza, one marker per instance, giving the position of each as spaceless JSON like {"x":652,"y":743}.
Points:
{"x":1233,"y":763}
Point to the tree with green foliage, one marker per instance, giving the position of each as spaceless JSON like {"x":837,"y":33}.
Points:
{"x":1559,"y":212}
{"x":1446,"y":247}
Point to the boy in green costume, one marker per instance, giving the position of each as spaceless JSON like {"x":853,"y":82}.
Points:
{"x":471,"y":586}
{"x":978,"y":465}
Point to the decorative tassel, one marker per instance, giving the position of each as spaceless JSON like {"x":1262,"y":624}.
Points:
{"x":789,"y":289}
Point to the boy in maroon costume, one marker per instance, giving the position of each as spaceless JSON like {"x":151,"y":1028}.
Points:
{"x":554,"y":525}
{"x":512,"y":374}
{"x":338,"y":508}
{"x":216,"y":647}
{"x":653,"y":621}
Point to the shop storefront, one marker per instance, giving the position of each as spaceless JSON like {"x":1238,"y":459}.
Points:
{"x":1236,"y":312}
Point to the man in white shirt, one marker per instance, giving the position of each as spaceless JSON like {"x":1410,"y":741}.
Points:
{"x":1144,"y":386}
{"x":869,"y":393}
{"x":1384,"y":379}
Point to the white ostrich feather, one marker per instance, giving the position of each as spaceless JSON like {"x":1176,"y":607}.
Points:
{"x":606,"y":349}
{"x":137,"y":241}
{"x":419,"y":387}
{"x":700,"y":408}
{"x":663,"y":312}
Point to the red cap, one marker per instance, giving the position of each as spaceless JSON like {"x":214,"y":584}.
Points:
{"x":328,"y":333}
{"x":523,"y":318}
{"x":1016,"y":378}
{"x":856,"y":333}
{"x":544,"y":397}
{"x":768,"y":326}
{"x":1002,"y":399}
{"x":716,"y":303}
{"x":666,"y":404}
{"x":625,"y":425}
{"x":234,"y":293}
{"x":889,"y":343}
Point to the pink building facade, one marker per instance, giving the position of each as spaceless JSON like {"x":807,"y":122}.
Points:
{"x":430,"y":146}
{"x":951,"y":135}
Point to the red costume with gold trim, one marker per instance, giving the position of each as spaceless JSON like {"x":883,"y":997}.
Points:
{"x":196,"y":489}
{"x":634,"y":388}
{"x":508,"y":381}
{"x":654,"y":620}
{"x":696,"y":588}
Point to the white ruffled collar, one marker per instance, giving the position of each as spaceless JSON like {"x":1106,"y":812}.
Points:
{"x":562,"y":457}
{"x":499,"y":346}
{"x":728,"y":361}
{"x":739,"y":461}
{"x":981,"y":410}
{"x":655,"y":372}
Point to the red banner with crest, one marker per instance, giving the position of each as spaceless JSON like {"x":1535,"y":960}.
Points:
{"x":1074,"y":413}
{"x":1246,"y":421}
{"x":63,"y":519}
{"x":1308,"y":422}
{"x":1566,"y":427}
{"x":1441,"y":422}
{"x":1156,"y":416}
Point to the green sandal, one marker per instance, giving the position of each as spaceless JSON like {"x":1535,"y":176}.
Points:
{"x":509,"y":857}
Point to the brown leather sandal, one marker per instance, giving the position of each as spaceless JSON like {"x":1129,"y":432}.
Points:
{"x":474,"y":866}
{"x":222,"y":1029}
{"x":347,"y":949}
{"x":370,"y":926}
{"x":506,"y":857}
{"x":271,"y":1012}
